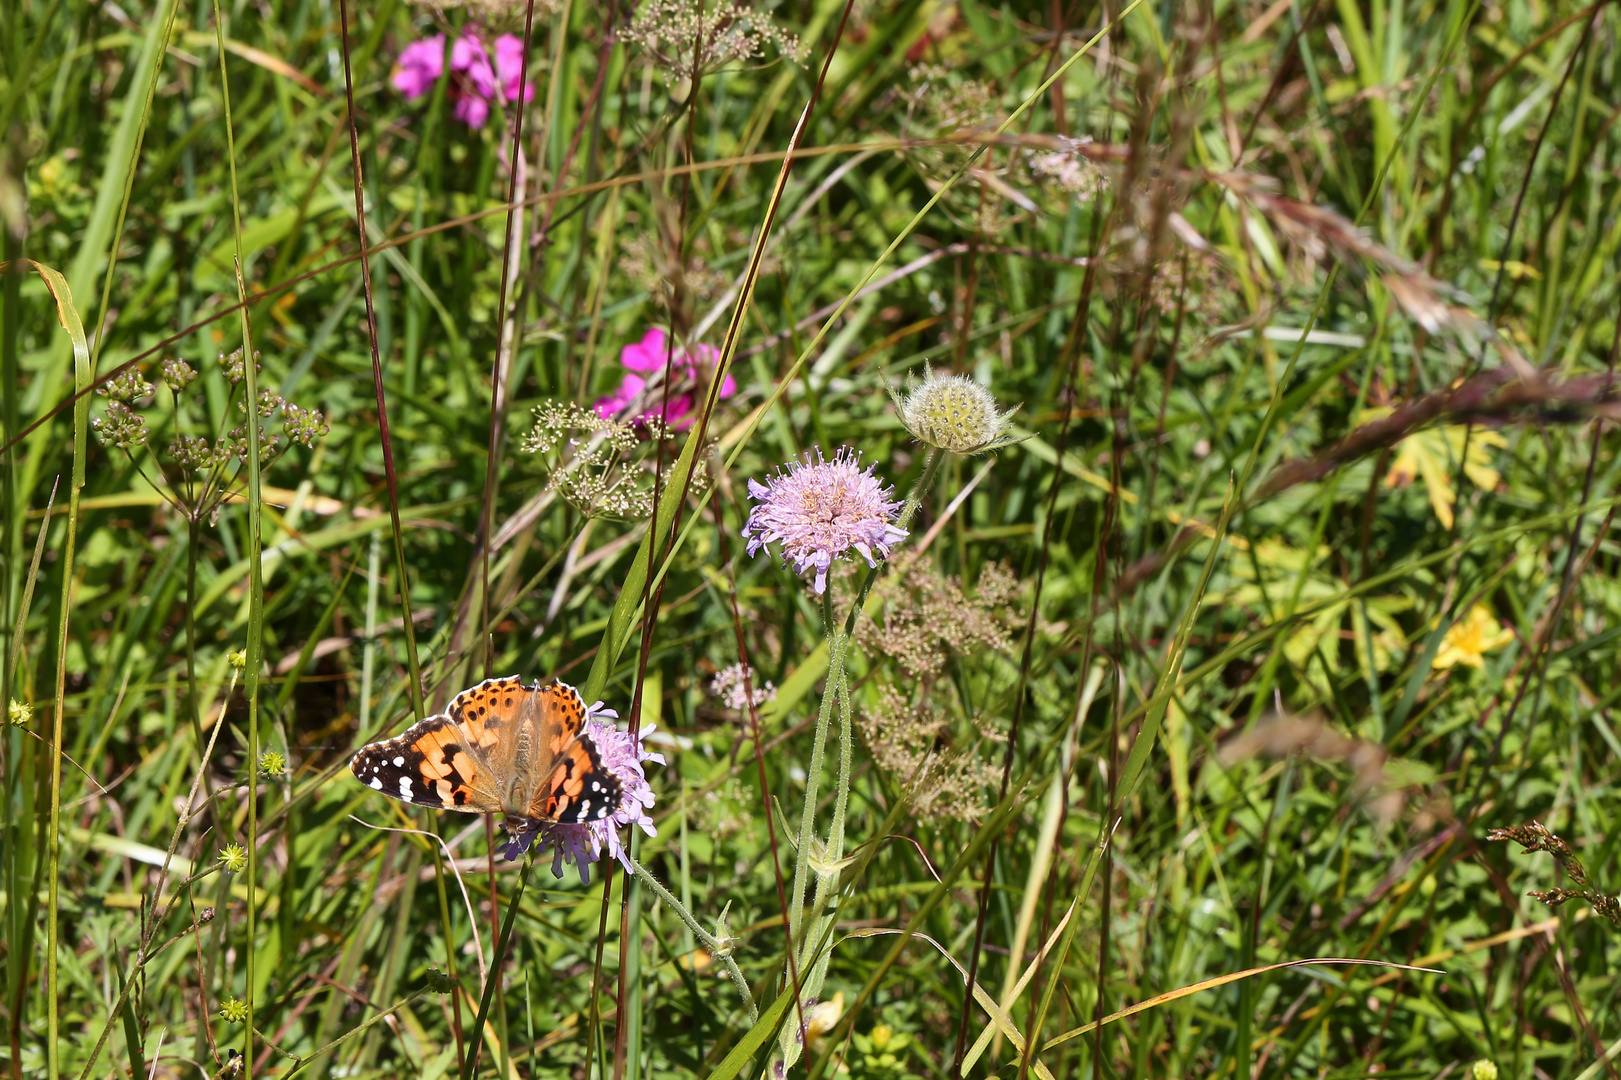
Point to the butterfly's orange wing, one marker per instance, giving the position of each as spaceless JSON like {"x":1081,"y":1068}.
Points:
{"x":577,"y":787}
{"x":493,"y":739}
{"x":452,"y":761}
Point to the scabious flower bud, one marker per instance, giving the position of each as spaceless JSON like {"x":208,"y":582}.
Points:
{"x":233,"y":1010}
{"x":120,"y":426}
{"x":126,"y":386}
{"x":1483,"y":1070}
{"x":177,"y":374}
{"x":19,"y":713}
{"x":954,"y":413}
{"x":272,"y":764}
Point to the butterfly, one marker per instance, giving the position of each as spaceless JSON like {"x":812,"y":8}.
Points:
{"x":500,"y":747}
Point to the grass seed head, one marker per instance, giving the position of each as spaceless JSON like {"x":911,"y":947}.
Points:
{"x":126,"y":386}
{"x":120,"y":426}
{"x":177,"y":374}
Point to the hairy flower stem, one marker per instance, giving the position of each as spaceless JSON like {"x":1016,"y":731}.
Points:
{"x":837,"y":641}
{"x":813,"y":958}
{"x":719,"y":949}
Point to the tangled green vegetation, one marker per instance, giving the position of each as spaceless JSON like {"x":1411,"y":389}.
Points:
{"x":1183,"y":719}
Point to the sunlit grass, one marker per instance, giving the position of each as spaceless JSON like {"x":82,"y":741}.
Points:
{"x":1287,"y":584}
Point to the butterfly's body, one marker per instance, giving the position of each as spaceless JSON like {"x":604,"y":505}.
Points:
{"x":501,"y":747}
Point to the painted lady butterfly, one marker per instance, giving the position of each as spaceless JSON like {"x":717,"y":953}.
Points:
{"x":501,"y":747}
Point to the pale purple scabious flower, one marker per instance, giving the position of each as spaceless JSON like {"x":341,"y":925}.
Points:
{"x":582,"y":844}
{"x":647,"y":356}
{"x":822,"y":510}
{"x":473,"y":77}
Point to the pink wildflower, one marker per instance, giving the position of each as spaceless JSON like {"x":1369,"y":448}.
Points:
{"x":419,"y":67}
{"x":692,"y":368}
{"x":472,"y":75}
{"x":822,"y":510}
{"x":509,"y":65}
{"x":582,"y":844}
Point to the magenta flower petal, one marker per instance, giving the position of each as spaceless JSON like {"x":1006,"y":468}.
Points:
{"x":468,"y":58}
{"x":647,"y":354}
{"x":509,"y":66}
{"x":472,"y":110}
{"x":821,"y":511}
{"x":419,"y":66}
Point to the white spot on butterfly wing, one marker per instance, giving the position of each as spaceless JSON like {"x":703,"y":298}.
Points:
{"x":377,"y":783}
{"x":399,"y":762}
{"x":405,"y":787}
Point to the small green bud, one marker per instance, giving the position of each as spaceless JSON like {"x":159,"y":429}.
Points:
{"x":440,"y":982}
{"x":120,"y":426}
{"x":303,"y":426}
{"x":19,"y":713}
{"x":238,"y":658}
{"x":234,"y":859}
{"x":1483,"y":1070}
{"x":233,"y":1010}
{"x":126,"y":386}
{"x":177,"y":374}
{"x":272,"y":764}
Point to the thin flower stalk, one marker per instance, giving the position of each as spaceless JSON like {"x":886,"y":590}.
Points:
{"x":720,"y":948}
{"x":84,"y":375}
{"x":814,"y":958}
{"x":256,"y":584}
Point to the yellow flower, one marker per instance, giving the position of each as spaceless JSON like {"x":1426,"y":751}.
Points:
{"x":820,"y":1018}
{"x":1470,"y":638}
{"x":1431,"y":455}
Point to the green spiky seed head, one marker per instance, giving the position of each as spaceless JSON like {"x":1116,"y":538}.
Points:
{"x":19,"y":713}
{"x":953,"y":413}
{"x":233,"y":1010}
{"x":1483,"y":1070}
{"x":272,"y":764}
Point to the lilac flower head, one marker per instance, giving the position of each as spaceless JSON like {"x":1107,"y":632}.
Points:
{"x":583,"y":843}
{"x":822,"y":510}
